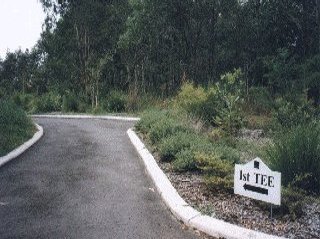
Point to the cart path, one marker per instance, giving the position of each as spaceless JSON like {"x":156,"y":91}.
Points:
{"x":83,"y":179}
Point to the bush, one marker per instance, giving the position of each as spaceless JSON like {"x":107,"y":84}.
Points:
{"x":292,"y":112}
{"x":172,"y":145}
{"x":260,"y":100}
{"x":70,"y":103}
{"x":141,"y":102}
{"x":116,"y":101}
{"x":185,"y":161}
{"x":48,"y":102}
{"x":164,"y":128}
{"x":25,"y":101}
{"x":191,"y":99}
{"x":219,"y":183}
{"x":230,"y":93}
{"x":296,"y":154}
{"x":149,"y":118}
{"x":219,"y":172}
{"x":213,"y":164}
{"x":15,"y":127}
{"x":219,"y":105}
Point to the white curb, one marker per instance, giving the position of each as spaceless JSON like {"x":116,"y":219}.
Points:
{"x":21,"y":149}
{"x":106,"y":117}
{"x":184,"y":212}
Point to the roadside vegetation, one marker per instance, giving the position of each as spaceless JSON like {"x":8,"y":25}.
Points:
{"x":15,"y":127}
{"x":208,"y":130}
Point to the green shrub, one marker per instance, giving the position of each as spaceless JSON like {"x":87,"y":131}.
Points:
{"x":185,"y":161}
{"x":224,"y":101}
{"x":296,"y":154}
{"x":191,"y":99}
{"x":172,"y":145}
{"x":213,"y":164}
{"x":169,"y":147}
{"x":15,"y":127}
{"x":116,"y":101}
{"x":70,"y":103}
{"x":260,"y":100}
{"x":227,"y":153}
{"x":230,"y":117}
{"x":292,"y":112}
{"x":219,"y":172}
{"x":164,"y":128}
{"x":219,"y":105}
{"x":141,"y":102}
{"x":48,"y":102}
{"x":230,"y":93}
{"x":149,"y":118}
{"x":25,"y":101}
{"x":219,"y":183}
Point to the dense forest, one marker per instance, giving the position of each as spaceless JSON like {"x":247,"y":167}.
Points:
{"x":89,"y":49}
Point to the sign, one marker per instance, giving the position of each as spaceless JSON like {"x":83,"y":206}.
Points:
{"x":255,"y":180}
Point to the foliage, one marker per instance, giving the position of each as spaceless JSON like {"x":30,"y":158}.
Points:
{"x":213,"y":164}
{"x":95,"y":47}
{"x":177,"y":141}
{"x":296,"y":154}
{"x":191,"y":99}
{"x":142,"y":102}
{"x":169,"y":147}
{"x":15,"y":127}
{"x":164,"y":128}
{"x":149,"y":118}
{"x":260,"y":100}
{"x":218,"y":172}
{"x":229,"y":91}
{"x":282,"y":73}
{"x":264,"y":122}
{"x":219,"y":183}
{"x":116,"y":101}
{"x":185,"y":161}
{"x":70,"y":103}
{"x":219,"y":105}
{"x":25,"y":101}
{"x":293,"y":111}
{"x":48,"y":102}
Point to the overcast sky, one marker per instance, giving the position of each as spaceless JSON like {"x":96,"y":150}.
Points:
{"x":20,"y":24}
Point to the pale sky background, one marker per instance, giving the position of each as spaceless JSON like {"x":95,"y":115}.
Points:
{"x":20,"y":24}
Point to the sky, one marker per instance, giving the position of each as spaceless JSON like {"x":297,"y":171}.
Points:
{"x":20,"y":24}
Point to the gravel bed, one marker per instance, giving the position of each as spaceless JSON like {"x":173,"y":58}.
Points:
{"x":240,"y":210}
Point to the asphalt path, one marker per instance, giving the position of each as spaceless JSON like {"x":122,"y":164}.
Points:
{"x":83,"y":179}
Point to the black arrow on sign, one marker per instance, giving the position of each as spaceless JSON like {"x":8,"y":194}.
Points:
{"x":255,"y":189}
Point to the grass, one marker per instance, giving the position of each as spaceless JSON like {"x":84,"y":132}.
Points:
{"x":177,"y":140}
{"x":296,"y":154}
{"x":15,"y":127}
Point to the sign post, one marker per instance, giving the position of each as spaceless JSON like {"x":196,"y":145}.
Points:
{"x":255,"y":180}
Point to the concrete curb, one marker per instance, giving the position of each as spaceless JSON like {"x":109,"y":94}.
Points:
{"x":87,"y":117}
{"x":184,"y":212}
{"x":21,"y":149}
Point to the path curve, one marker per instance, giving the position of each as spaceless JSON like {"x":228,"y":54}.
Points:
{"x":83,"y":179}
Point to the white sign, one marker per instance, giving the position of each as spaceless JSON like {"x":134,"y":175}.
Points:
{"x":255,"y":180}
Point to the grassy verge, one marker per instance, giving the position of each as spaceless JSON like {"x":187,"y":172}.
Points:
{"x":15,"y":127}
{"x":175,"y":137}
{"x":203,"y":130}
